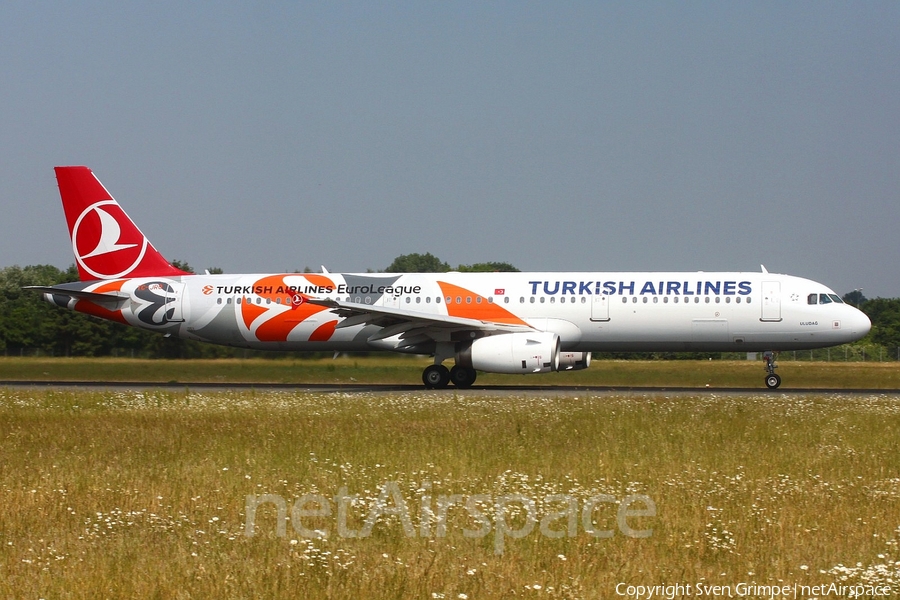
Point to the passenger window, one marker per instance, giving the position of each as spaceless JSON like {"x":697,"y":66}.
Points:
{"x":824,"y":299}
{"x":812,"y":299}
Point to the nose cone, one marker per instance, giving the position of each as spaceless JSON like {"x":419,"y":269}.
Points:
{"x":859,"y":324}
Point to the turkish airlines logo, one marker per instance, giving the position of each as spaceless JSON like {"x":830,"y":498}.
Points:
{"x":105,"y":241}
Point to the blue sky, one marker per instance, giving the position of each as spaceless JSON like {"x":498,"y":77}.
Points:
{"x":555,"y":136}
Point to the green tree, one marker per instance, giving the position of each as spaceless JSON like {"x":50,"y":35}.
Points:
{"x":885,"y":316}
{"x":183,"y":265}
{"x":418,"y":263}
{"x":28,"y":323}
{"x":488,"y":267}
{"x":855,"y":298}
{"x":428,"y":263}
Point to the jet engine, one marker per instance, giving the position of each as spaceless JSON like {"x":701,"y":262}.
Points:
{"x":574,"y":361}
{"x":517,"y":353}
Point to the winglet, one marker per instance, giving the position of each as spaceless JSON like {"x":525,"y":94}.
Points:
{"x":106,"y":242}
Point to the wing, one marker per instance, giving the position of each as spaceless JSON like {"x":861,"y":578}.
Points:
{"x":413,"y":327}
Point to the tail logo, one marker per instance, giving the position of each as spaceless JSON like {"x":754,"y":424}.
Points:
{"x":105,"y":241}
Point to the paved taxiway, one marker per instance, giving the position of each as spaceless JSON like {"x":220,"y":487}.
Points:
{"x":387,"y":388}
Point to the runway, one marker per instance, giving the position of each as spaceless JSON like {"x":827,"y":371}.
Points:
{"x":358,"y":388}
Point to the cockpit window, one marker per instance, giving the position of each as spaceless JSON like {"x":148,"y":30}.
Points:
{"x":823,"y":299}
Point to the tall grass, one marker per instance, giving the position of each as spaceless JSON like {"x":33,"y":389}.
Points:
{"x":143,"y":494}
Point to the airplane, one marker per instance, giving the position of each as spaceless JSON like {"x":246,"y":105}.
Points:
{"x":490,"y":322}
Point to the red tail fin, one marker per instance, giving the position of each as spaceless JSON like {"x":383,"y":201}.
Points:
{"x":106,"y":242}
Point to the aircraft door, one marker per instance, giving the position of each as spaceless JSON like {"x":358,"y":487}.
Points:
{"x":771,"y":301}
{"x":174,"y":312}
{"x":390,"y":301}
{"x":600,"y":308}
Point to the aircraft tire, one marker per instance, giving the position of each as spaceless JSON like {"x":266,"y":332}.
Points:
{"x":773,"y":381}
{"x":436,"y":377}
{"x":462,"y":377}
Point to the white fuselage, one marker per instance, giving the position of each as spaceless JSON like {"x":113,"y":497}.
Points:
{"x":589,"y":311}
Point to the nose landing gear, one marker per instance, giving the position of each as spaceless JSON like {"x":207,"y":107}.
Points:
{"x":772,"y":380}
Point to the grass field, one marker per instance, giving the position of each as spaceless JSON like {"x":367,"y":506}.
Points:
{"x":145,"y":494}
{"x":408,"y":370}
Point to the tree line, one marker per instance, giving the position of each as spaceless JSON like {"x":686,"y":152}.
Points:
{"x":29,"y":326}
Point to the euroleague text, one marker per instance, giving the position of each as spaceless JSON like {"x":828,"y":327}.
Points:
{"x":507,"y":516}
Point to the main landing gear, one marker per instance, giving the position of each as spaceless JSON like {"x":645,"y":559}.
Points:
{"x":772,"y":380}
{"x":437,"y":377}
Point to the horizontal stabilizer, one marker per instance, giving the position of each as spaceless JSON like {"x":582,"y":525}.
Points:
{"x":103,"y":298}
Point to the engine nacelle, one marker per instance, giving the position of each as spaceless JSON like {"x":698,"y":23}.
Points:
{"x":516,"y":353}
{"x":574,"y":361}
